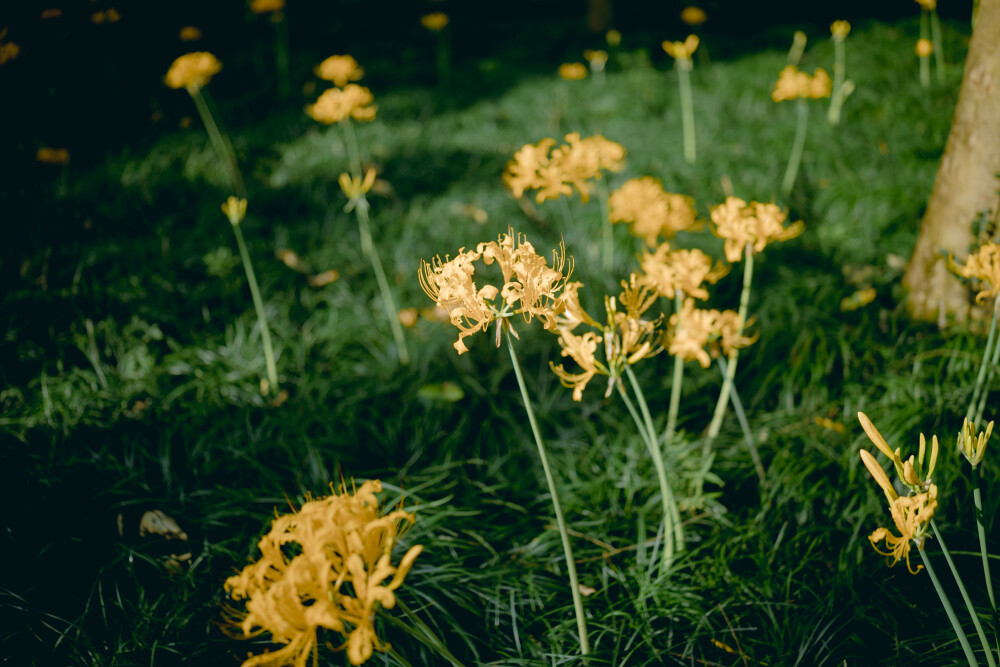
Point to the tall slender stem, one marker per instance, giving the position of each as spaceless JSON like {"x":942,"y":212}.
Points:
{"x":745,"y":425}
{"x":687,"y":108}
{"x":965,"y":597}
{"x":727,"y":384}
{"x":991,"y":371}
{"x":368,"y":247}
{"x":977,"y":497}
{"x":938,"y":45}
{"x":607,"y":233}
{"x":792,"y":170}
{"x":656,"y":449}
{"x":258,"y":304}
{"x":220,"y":141}
{"x":574,"y":585}
{"x":839,"y":74}
{"x":666,"y":497}
{"x":925,"y":63}
{"x":675,"y":386}
{"x":956,"y":626}
{"x":990,"y":343}
{"x":391,"y":313}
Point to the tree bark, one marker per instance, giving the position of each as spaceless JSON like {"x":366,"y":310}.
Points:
{"x":966,"y":182}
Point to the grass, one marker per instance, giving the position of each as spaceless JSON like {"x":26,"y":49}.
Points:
{"x":132,"y":364}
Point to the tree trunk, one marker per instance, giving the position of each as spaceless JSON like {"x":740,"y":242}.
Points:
{"x":966,"y":182}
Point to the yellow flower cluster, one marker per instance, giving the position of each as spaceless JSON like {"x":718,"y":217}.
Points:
{"x":669,"y":271}
{"x":984,"y":266}
{"x":528,"y":287}
{"x":329,"y":565}
{"x":701,"y":335}
{"x":911,"y":514}
{"x":693,"y":16}
{"x":840,"y":30}
{"x":681,"y":51}
{"x":52,"y":155}
{"x":973,"y":446}
{"x":598,"y":59}
{"x":336,"y":104}
{"x":794,"y":84}
{"x":555,"y":171}
{"x":437,"y":21}
{"x":924,"y":48}
{"x":193,"y":70}
{"x":573,"y":71}
{"x":266,"y":6}
{"x":627,"y":336}
{"x":340,"y":70}
{"x":651,"y":211}
{"x":754,"y":225}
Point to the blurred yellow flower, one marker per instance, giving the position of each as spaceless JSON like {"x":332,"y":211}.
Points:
{"x":554,"y":172}
{"x":529,"y":286}
{"x":355,"y":188}
{"x":336,"y":104}
{"x":436,"y":21}
{"x":613,"y":37}
{"x":754,"y":224}
{"x":51,"y":13}
{"x":340,"y":70}
{"x":52,"y":155}
{"x":984,"y":266}
{"x":681,"y":51}
{"x":929,"y":5}
{"x":324,"y":278}
{"x":693,"y":16}
{"x":971,"y":445}
{"x":597,"y":59}
{"x":793,"y":84}
{"x":193,"y":70}
{"x":924,"y":48}
{"x":110,"y":16}
{"x":840,"y":30}
{"x":667,"y":271}
{"x":266,"y":6}
{"x":8,"y":50}
{"x":858,"y":299}
{"x":408,"y":317}
{"x":235,"y":209}
{"x":651,"y":211}
{"x":328,"y":565}
{"x":689,"y":333}
{"x":189,"y":33}
{"x":573,"y":71}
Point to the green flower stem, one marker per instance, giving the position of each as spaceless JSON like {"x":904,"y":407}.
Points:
{"x":745,"y":425}
{"x":938,"y":46}
{"x":925,"y":63}
{"x":962,"y":639}
{"x":965,"y":597}
{"x":797,"y":148}
{"x":675,"y":386}
{"x":574,"y":585}
{"x":687,"y":108}
{"x":258,"y":304}
{"x":364,"y":228}
{"x":353,"y":154}
{"x":720,"y":407}
{"x":607,"y":233}
{"x":994,"y":360}
{"x":220,"y":141}
{"x":977,"y":497}
{"x":368,"y":247}
{"x":839,"y":74}
{"x":672,"y":506}
{"x":991,"y":348}
{"x":666,"y":497}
